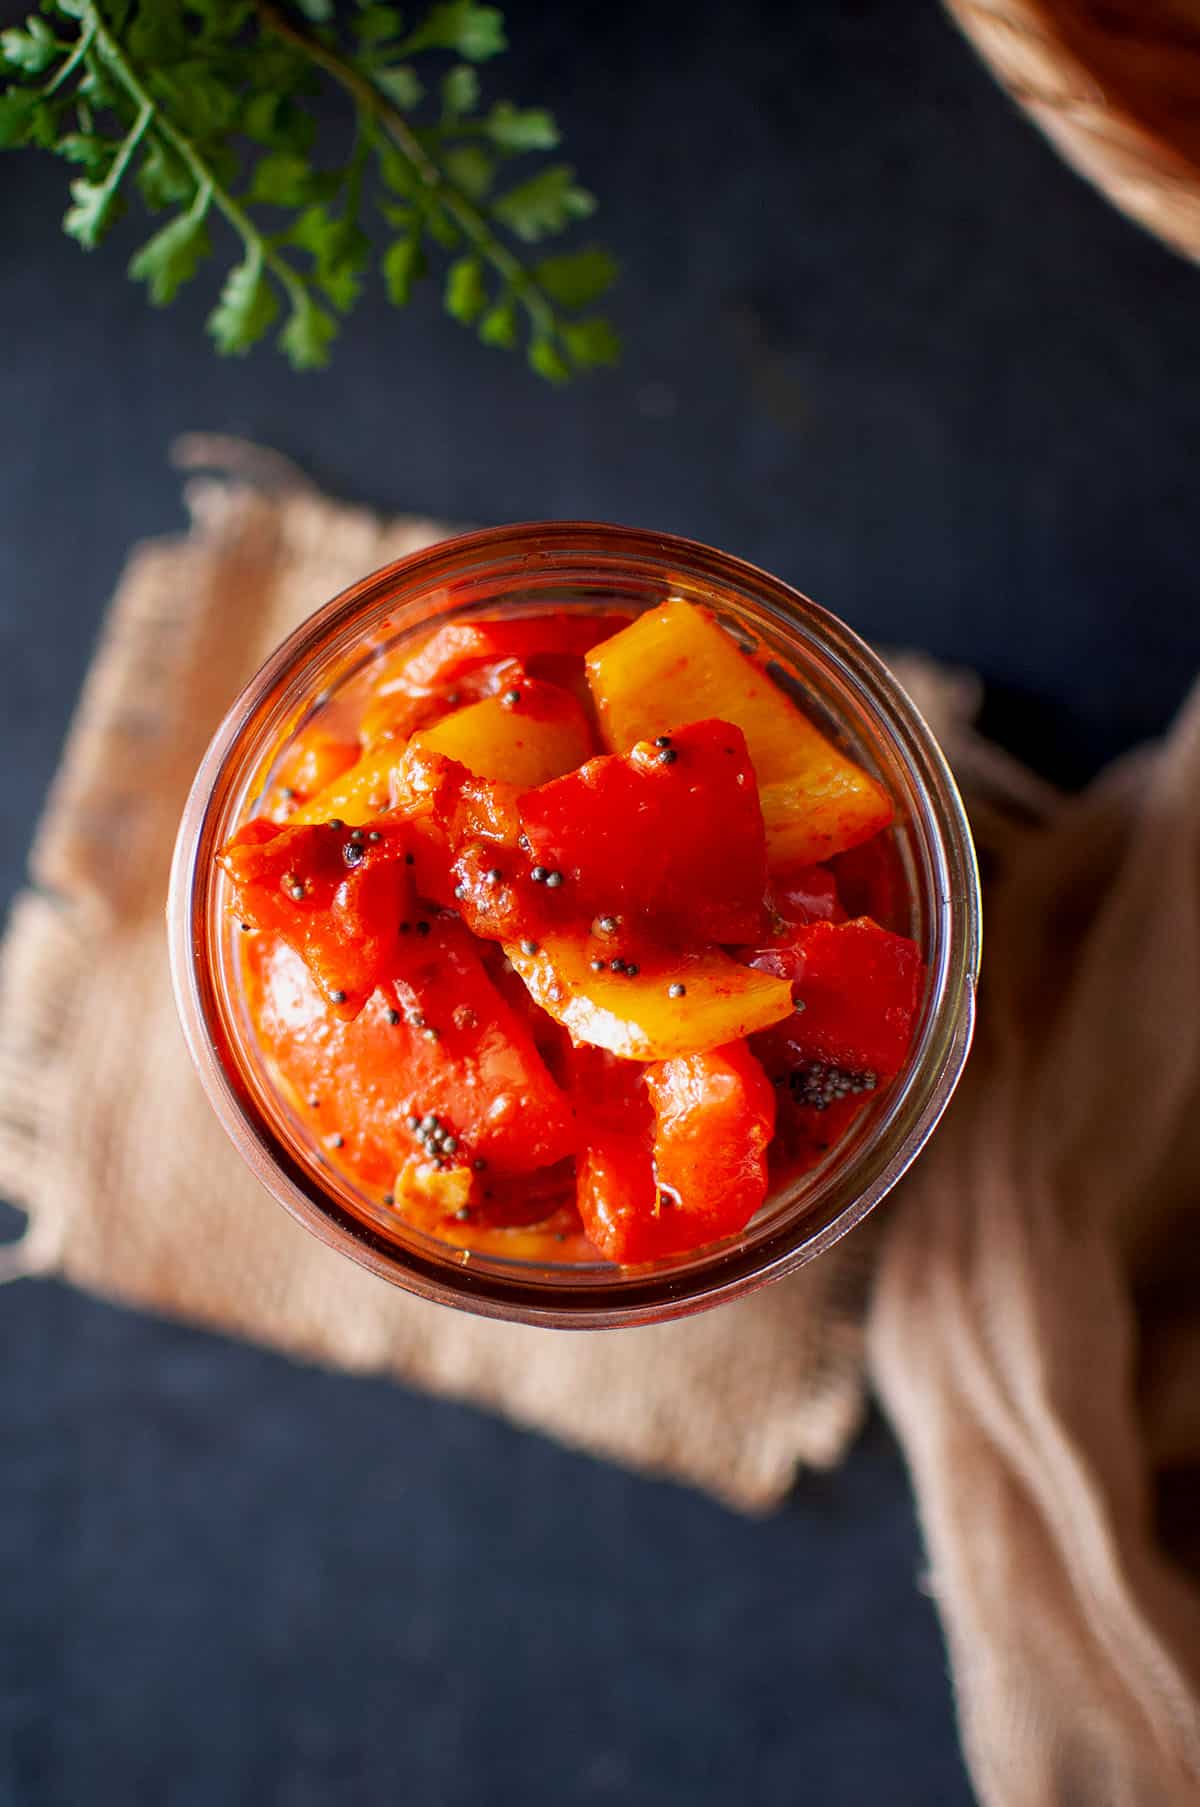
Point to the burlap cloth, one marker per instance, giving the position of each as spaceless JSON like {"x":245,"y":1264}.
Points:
{"x":1035,"y":1325}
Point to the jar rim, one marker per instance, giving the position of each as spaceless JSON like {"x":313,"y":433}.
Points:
{"x":562,"y":1296}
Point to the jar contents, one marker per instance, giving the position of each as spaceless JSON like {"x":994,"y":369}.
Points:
{"x":570,"y":936}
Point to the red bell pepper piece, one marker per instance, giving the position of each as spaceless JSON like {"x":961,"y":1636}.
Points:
{"x":442,"y":1042}
{"x":316,"y":759}
{"x":609,"y":1095}
{"x":455,"y":648}
{"x":335,"y":895}
{"x":468,"y":858}
{"x":860,"y":989}
{"x":699,"y":1175}
{"x":617,"y":1196}
{"x":671,"y":834}
{"x":804,"y":1135}
{"x":715,"y":1115}
{"x":616,"y":1188}
{"x":804,"y":894}
{"x":871,"y":882}
{"x":504,"y":1200}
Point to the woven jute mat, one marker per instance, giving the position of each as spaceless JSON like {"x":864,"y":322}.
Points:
{"x":108,"y":1144}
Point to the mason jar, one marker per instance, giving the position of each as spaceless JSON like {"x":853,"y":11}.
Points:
{"x":839,"y":682}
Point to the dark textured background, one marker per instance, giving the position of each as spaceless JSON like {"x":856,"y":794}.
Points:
{"x":881,"y":342}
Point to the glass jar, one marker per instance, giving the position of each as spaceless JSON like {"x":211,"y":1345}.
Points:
{"x":528,"y":569}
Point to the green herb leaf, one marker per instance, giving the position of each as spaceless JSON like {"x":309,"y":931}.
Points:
{"x":85,"y":148}
{"x":307,"y":335}
{"x":96,"y":86}
{"x":591,"y":343}
{"x":438,"y":224}
{"x":158,"y":35}
{"x":97,"y":206}
{"x":548,"y":363}
{"x":247,"y":307}
{"x":499,"y":326}
{"x":397,"y":172}
{"x":460,"y":91}
{"x":283,"y":179}
{"x":202,"y":103}
{"x":171,"y":257}
{"x":476,"y":32}
{"x":545,"y":203}
{"x":33,"y":49}
{"x":471,"y":168}
{"x":260,"y":117}
{"x":466,"y":294}
{"x":339,"y":250}
{"x":274,"y":120}
{"x":377,"y":24}
{"x":221,"y":20}
{"x":17,"y":108}
{"x":403,"y":265}
{"x":43,"y":128}
{"x":517,"y":129}
{"x":342,"y":284}
{"x":576,"y":278}
{"x":163,"y":178}
{"x":316,"y":230}
{"x":400,"y":84}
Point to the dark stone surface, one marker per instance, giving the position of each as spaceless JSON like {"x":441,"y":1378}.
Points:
{"x":236,"y":1580}
{"x":880,"y":341}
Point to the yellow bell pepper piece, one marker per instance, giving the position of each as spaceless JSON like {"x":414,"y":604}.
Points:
{"x":636,"y":1017}
{"x":674,"y":665}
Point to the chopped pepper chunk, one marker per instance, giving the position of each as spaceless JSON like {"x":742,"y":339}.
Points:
{"x":372,"y":785}
{"x":396,"y":715}
{"x":671,"y":833}
{"x":671,"y":1004}
{"x":696,"y":1173}
{"x":316,"y":759}
{"x":616,"y":1194}
{"x":674,"y":664}
{"x":469,"y":858}
{"x":714,"y":1116}
{"x":544,"y":733}
{"x":336,"y":895}
{"x":871,"y":882}
{"x":459,"y":1203}
{"x":804,"y":894}
{"x":805,"y":1132}
{"x":827,"y":805}
{"x":529,"y":733}
{"x":859,"y":987}
{"x":454,"y":649}
{"x":609,"y":1095}
{"x":437,"y":1066}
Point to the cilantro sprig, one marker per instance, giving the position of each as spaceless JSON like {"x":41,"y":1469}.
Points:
{"x":211,"y":112}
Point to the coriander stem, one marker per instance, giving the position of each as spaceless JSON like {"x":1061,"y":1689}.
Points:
{"x":73,"y":61}
{"x":201,"y":200}
{"x":359,"y":88}
{"x":129,"y":144}
{"x":473,"y":224}
{"x":256,"y":245}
